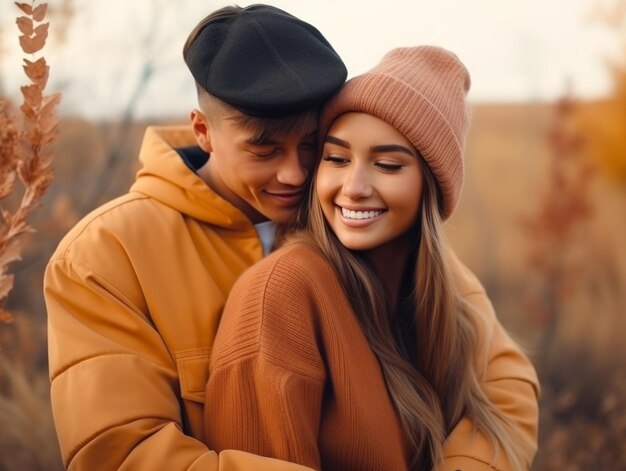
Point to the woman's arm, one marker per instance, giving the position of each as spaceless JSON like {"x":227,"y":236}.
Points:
{"x":266,"y":382}
{"x":261,"y":408}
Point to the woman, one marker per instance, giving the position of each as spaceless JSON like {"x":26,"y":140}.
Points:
{"x":363,"y":343}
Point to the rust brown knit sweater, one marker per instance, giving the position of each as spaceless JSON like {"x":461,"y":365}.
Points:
{"x":293,"y":377}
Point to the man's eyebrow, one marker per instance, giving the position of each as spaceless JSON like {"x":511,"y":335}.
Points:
{"x":391,"y":148}
{"x":260,"y":141}
{"x":337,"y":141}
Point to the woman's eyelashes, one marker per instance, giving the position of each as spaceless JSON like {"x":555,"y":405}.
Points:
{"x":386,"y":166}
{"x":335,"y":159}
{"x":389,"y":167}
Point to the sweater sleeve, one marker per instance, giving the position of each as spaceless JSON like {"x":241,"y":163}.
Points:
{"x":114,"y":388}
{"x":264,"y":393}
{"x":510,"y":383}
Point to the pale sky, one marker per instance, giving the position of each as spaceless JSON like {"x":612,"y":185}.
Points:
{"x":515,"y":50}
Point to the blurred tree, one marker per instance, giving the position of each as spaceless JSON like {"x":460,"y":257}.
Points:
{"x":61,"y":13}
{"x":604,"y":123}
{"x":553,"y":230}
{"x":118,"y":134}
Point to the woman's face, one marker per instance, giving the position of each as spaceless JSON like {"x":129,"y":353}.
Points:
{"x":369,"y":182}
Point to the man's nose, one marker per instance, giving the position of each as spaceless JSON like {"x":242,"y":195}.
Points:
{"x":293,"y":170}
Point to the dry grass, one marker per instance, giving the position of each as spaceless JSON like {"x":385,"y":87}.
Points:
{"x":27,"y":437}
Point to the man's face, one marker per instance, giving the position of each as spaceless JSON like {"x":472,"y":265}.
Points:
{"x":264,"y":179}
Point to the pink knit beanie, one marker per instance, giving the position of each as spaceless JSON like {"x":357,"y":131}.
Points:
{"x":421,"y":92}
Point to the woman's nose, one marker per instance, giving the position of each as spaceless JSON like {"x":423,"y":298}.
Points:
{"x":357,"y":185}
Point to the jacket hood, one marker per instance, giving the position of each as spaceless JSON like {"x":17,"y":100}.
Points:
{"x":165,"y":177}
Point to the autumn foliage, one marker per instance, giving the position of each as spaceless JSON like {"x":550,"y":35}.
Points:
{"x":604,"y":123}
{"x":25,"y":144}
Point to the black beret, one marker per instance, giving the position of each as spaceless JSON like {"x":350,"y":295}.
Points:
{"x":265,"y":62}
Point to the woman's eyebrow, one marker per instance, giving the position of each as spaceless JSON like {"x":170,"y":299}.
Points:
{"x":337,"y":141}
{"x":391,"y":148}
{"x":374,"y":149}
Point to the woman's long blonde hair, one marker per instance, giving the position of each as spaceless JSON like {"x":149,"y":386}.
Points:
{"x":433,"y":394}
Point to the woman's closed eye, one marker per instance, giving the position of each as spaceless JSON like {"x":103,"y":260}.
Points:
{"x":335,"y":159}
{"x":389,"y":167}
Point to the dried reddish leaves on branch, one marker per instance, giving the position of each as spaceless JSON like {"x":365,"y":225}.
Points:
{"x":564,"y":205}
{"x":25,"y":148}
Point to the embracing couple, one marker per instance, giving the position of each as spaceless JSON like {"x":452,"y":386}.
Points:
{"x":360,"y":343}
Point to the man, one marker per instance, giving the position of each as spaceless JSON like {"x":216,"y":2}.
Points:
{"x":134,"y":292}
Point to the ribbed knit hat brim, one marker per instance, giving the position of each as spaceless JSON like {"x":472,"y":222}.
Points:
{"x":421,"y":92}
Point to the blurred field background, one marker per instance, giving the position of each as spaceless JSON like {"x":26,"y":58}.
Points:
{"x":542,"y":222}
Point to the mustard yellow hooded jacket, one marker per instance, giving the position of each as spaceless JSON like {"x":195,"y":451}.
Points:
{"x":134,"y":294}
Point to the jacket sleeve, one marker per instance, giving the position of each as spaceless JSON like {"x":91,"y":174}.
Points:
{"x":510,"y":383}
{"x":265,"y":388}
{"x":114,"y":385}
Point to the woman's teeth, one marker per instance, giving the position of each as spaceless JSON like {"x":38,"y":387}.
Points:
{"x":359,"y":214}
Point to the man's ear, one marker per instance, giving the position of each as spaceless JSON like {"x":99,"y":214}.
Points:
{"x":201,"y":130}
